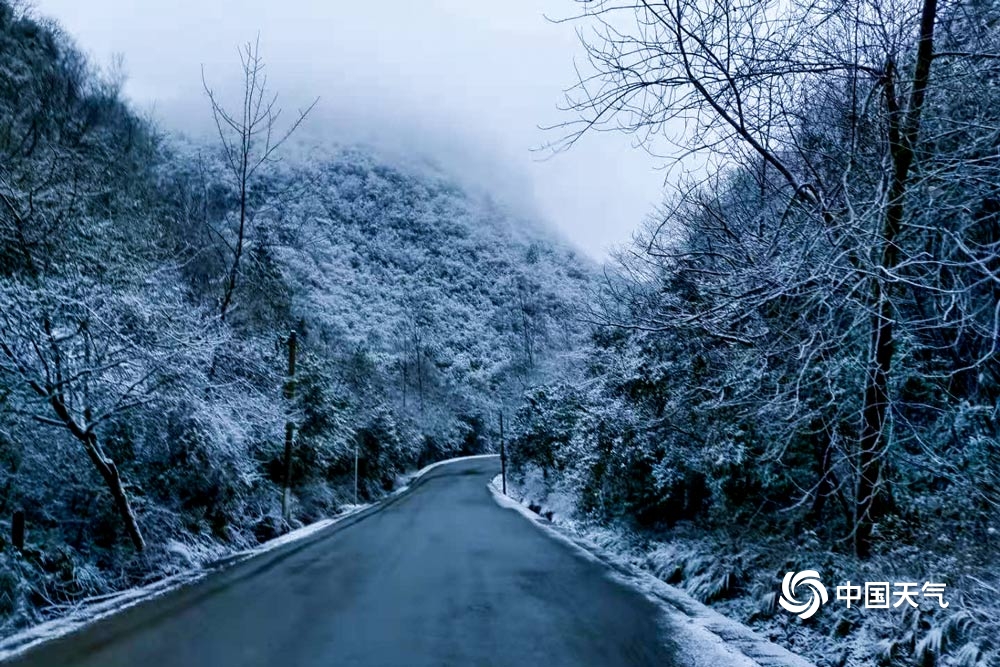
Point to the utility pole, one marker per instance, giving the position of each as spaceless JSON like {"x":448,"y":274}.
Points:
{"x":355,"y":471}
{"x":503,"y":458}
{"x":289,"y":426}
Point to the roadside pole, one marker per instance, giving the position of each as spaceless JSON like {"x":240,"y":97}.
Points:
{"x":289,"y":426}
{"x":503,"y":458}
{"x":355,"y":471}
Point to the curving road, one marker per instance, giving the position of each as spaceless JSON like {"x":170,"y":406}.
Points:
{"x":441,"y":575}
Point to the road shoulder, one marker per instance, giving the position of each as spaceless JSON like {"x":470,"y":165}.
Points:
{"x":703,"y":635}
{"x":192,"y":584}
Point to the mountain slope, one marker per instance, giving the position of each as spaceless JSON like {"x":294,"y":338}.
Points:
{"x":142,"y":431}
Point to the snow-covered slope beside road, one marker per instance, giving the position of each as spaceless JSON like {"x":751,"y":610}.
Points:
{"x":704,"y":636}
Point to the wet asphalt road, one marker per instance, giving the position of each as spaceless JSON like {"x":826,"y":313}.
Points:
{"x":440,"y":576}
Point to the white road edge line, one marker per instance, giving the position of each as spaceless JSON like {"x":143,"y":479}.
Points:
{"x":426,"y":469}
{"x":695,"y":628}
{"x":88,"y":612}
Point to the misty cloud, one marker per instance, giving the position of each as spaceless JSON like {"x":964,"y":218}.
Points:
{"x":466,"y":84}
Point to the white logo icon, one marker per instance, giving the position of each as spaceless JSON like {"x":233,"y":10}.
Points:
{"x":818,"y":596}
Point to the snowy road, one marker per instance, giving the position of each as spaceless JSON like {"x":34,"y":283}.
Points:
{"x":442,"y":575}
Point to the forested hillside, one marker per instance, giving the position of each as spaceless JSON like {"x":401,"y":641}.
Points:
{"x":146,"y":304}
{"x":799,"y":368}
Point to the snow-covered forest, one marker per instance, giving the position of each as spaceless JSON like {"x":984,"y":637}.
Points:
{"x":794,"y":366}
{"x":798,"y":356}
{"x":144,"y":329}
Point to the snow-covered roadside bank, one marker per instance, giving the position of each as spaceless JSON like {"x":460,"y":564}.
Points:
{"x":90,"y":610}
{"x":738,"y":573}
{"x":407,"y":480}
{"x":706,"y":637}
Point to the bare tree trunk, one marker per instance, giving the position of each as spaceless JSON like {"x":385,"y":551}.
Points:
{"x":249,"y":139}
{"x":107,"y":469}
{"x":903,"y":131}
{"x":86,"y":436}
{"x":234,"y":268}
{"x":869,"y":503}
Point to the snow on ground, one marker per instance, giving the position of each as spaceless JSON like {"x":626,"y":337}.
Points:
{"x":93,"y":609}
{"x":406,"y":480}
{"x":704,"y":636}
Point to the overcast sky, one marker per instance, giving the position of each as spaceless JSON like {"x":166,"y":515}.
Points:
{"x":465,"y":82}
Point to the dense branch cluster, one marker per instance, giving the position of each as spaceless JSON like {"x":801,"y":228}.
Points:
{"x":806,"y":337}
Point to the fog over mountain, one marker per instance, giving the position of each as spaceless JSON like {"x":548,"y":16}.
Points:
{"x":467,"y":84}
